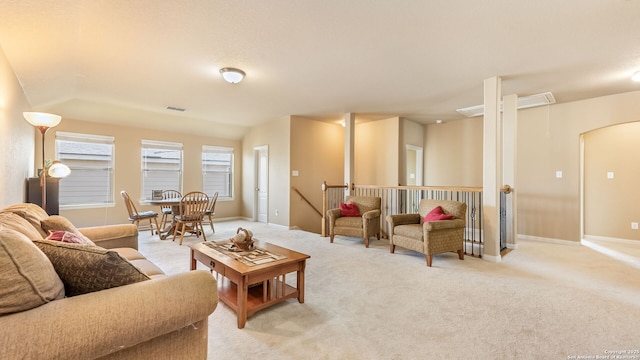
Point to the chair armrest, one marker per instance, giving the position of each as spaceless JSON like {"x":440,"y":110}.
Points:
{"x":443,"y":224}
{"x":333,"y":213}
{"x":371,"y":214}
{"x":403,"y":219}
{"x":113,"y":236}
{"x":96,"y":324}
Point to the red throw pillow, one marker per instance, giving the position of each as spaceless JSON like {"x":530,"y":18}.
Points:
{"x":349,"y":209}
{"x":437,"y":214}
{"x":68,"y":237}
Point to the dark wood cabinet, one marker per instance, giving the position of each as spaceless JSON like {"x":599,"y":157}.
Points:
{"x":34,"y":194}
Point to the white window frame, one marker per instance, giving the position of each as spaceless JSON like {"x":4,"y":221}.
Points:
{"x":207,"y":172}
{"x":71,"y":183}
{"x":145,"y":193}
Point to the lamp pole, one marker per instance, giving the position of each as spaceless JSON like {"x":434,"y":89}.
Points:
{"x":43,"y":173}
{"x":43,"y":122}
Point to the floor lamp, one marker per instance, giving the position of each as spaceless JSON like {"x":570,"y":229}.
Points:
{"x":43,"y":122}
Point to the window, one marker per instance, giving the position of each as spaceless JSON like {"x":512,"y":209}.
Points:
{"x":161,"y":167}
{"x":217,"y":171}
{"x":90,"y":158}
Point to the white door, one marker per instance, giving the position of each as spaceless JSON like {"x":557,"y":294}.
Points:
{"x":262,"y":184}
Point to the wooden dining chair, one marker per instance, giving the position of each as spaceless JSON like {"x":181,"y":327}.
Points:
{"x":211,"y":211}
{"x":191,"y":212}
{"x":167,"y":210}
{"x":135,"y":216}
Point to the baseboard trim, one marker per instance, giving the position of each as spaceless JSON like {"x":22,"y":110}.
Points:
{"x":609,"y":239}
{"x":492,"y":258}
{"x":549,"y":240}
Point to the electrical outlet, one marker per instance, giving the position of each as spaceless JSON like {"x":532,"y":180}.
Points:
{"x":277,"y":212}
{"x":634,"y":226}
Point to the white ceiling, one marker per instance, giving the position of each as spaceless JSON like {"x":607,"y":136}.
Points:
{"x":124,"y":61}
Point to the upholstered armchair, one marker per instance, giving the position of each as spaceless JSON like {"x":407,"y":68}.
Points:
{"x":364,"y":226}
{"x":410,"y":231}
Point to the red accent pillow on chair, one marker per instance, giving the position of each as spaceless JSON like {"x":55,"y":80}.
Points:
{"x":349,"y":209}
{"x":437,"y":214}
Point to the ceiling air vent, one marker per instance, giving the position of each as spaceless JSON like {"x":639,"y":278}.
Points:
{"x":523,"y":103}
{"x":175,"y":108}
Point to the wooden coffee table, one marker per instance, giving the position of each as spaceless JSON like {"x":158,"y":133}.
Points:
{"x":250,"y":288}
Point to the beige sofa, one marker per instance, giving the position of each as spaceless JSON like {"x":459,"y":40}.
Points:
{"x":155,"y":317}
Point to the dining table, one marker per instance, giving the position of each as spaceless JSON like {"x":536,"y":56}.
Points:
{"x":175,"y":209}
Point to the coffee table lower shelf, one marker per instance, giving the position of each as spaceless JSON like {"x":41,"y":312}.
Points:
{"x":259,"y":296}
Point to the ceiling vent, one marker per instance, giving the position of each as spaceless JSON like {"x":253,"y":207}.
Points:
{"x":175,"y":108}
{"x":523,"y":103}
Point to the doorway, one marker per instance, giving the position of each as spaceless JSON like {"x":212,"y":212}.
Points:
{"x":414,"y":165}
{"x":261,"y":196}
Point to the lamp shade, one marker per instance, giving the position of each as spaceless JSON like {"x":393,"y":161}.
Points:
{"x":58,"y":170}
{"x":232,"y":75}
{"x":42,"y":119}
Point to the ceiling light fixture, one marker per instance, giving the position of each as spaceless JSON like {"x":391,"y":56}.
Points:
{"x":636,"y":76}
{"x":232,"y":75}
{"x":523,"y":103}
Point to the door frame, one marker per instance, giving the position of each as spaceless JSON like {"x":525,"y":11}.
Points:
{"x":256,"y":181}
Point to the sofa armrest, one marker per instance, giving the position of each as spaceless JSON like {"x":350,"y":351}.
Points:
{"x":113,"y":236}
{"x":443,"y":224}
{"x":402,"y":219}
{"x":99,"y":323}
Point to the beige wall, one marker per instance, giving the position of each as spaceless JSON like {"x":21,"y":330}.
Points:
{"x":548,"y":141}
{"x":317,"y":153}
{"x":608,"y":208}
{"x":411,"y":133}
{"x":275,"y":135}
{"x":127,"y":171}
{"x":377,"y":152}
{"x":17,"y":137}
{"x":453,"y":153}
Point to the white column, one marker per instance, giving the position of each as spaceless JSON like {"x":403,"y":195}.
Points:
{"x":509,"y":142}
{"x":492,"y":169}
{"x":349,"y":149}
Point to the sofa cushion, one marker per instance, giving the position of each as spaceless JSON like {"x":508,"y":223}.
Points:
{"x":350,"y":222}
{"x":87,"y":268}
{"x":56,"y":222}
{"x":139,"y":261}
{"x":27,"y":277}
{"x":413,"y":231}
{"x":18,"y":223}
{"x":30,"y":212}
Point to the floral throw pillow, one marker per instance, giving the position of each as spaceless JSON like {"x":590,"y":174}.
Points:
{"x":68,"y":237}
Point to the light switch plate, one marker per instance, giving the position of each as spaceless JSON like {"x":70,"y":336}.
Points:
{"x":610,"y":175}
{"x":559,"y":174}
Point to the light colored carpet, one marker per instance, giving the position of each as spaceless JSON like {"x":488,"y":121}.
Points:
{"x":543,"y":301}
